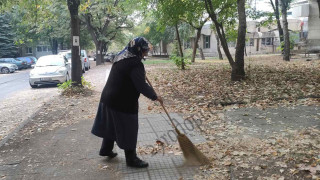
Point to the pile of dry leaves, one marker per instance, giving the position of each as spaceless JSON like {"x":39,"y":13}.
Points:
{"x":205,"y":91}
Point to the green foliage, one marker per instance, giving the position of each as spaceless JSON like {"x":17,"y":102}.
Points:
{"x":293,"y":39}
{"x":85,"y":83}
{"x":7,"y":46}
{"x":66,"y":85}
{"x":178,"y":61}
{"x":67,"y":88}
{"x":106,"y":20}
{"x":188,"y":53}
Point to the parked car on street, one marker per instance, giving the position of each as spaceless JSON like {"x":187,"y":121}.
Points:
{"x":7,"y":68}
{"x":85,"y":59}
{"x":20,"y":64}
{"x":51,"y":69}
{"x":67,"y":54}
{"x":109,"y":56}
{"x":29,"y":60}
{"x":34,"y":59}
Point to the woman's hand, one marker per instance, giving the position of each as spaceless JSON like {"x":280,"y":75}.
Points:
{"x":160,"y":99}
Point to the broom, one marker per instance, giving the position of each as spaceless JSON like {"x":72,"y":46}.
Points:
{"x":190,"y":152}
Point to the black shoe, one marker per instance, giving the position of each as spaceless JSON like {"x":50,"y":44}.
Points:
{"x":137,"y":163}
{"x":109,"y":154}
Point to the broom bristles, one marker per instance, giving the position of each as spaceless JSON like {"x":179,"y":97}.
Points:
{"x":191,"y":153}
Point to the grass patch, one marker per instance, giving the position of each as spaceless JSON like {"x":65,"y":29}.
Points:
{"x":157,"y":61}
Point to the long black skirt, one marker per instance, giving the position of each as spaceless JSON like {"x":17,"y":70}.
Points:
{"x":118,"y":126}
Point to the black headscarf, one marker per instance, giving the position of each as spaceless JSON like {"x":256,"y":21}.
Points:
{"x":135,"y":48}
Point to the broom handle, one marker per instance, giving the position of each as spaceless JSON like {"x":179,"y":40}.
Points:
{"x":165,"y":110}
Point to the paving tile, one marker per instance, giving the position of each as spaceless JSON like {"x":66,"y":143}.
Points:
{"x":164,"y":174}
{"x":160,"y":162}
{"x":147,"y":137}
{"x":136,"y":176}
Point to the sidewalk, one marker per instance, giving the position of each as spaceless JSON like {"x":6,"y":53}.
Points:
{"x":72,"y":153}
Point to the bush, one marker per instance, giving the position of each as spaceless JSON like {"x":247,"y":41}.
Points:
{"x":175,"y":56}
{"x":68,"y":89}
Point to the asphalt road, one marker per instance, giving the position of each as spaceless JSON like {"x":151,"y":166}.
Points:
{"x":13,"y":82}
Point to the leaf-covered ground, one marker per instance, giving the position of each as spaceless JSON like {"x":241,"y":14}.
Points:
{"x":205,"y":92}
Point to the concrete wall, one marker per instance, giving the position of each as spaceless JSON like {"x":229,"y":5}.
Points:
{"x":212,"y":51}
{"x":314,"y":26}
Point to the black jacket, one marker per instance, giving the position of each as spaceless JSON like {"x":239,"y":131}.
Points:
{"x":126,"y":81}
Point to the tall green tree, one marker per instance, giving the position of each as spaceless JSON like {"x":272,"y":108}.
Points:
{"x":220,"y":13}
{"x":7,"y":46}
{"x":196,"y":17}
{"x":169,"y":13}
{"x":104,"y":20}
{"x":156,"y":36}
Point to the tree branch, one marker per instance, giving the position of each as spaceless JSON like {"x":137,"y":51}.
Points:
{"x":91,"y":29}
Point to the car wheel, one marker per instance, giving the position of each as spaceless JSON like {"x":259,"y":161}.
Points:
{"x":5,"y":70}
{"x":33,"y":86}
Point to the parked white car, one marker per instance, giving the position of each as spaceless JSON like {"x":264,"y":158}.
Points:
{"x":85,"y":59}
{"x":67,"y":54}
{"x":51,"y":69}
{"x":7,"y":68}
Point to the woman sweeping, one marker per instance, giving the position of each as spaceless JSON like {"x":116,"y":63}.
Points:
{"x":117,"y":116}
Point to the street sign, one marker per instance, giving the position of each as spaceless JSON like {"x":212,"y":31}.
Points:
{"x":76,"y":41}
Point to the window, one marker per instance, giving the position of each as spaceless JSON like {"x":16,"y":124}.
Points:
{"x":267,"y":41}
{"x":29,"y":50}
{"x":206,"y":42}
{"x":39,"y":48}
{"x":49,"y":48}
{"x":251,"y":42}
{"x":44,"y":48}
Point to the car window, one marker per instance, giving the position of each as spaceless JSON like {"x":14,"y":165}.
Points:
{"x":68,"y":55}
{"x":50,"y":61}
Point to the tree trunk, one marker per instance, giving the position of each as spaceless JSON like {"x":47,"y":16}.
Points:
{"x":76,"y":72}
{"x":180,"y":48}
{"x":286,"y":54}
{"x":99,"y":54}
{"x":220,"y":32}
{"x":61,"y":45}
{"x":54,"y":46}
{"x":319,"y":7}
{"x":194,"y":52}
{"x":245,"y":51}
{"x":218,"y":46}
{"x":275,"y":7}
{"x":201,"y":54}
{"x":238,"y":67}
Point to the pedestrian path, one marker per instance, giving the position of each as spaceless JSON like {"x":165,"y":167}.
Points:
{"x":72,"y":153}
